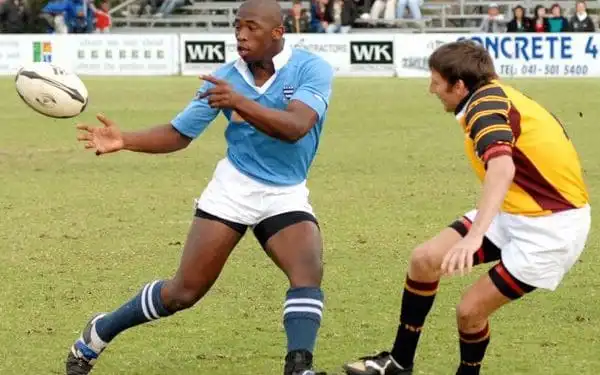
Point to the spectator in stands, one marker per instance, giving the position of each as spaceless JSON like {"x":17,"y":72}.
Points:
{"x":340,"y":15}
{"x":318,"y":22}
{"x":385,"y":6}
{"x":296,"y":21}
{"x":520,"y":23}
{"x":581,"y":21}
{"x":539,"y":24}
{"x":364,"y":8}
{"x":54,"y":15}
{"x":149,"y":6}
{"x":494,"y":22}
{"x":168,"y":6}
{"x":103,"y":19}
{"x":79,"y":18}
{"x":413,"y":5}
{"x":14,"y":16}
{"x":557,"y":23}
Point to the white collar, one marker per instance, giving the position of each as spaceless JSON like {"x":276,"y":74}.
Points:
{"x":279,"y":62}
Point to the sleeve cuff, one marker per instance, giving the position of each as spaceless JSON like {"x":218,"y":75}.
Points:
{"x":313,"y":100}
{"x":176,"y":124}
{"x":496,"y":150}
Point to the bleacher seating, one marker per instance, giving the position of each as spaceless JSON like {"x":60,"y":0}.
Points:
{"x":456,"y":16}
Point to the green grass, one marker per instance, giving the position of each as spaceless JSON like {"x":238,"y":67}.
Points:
{"x":81,"y":234}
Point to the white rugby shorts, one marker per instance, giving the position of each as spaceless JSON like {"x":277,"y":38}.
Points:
{"x":539,"y":251}
{"x":233,"y":196}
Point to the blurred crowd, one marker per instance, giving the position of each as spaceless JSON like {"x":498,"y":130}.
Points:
{"x":340,"y":16}
{"x":322,"y":16}
{"x":55,"y":16}
{"x":542,"y":20}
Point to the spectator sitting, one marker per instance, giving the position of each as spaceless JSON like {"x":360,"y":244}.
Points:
{"x":103,"y":19}
{"x":494,"y":22}
{"x":364,"y":8}
{"x":520,"y":23}
{"x":54,"y":16}
{"x":413,"y":6}
{"x":168,"y":6}
{"x":385,"y":6}
{"x":78,"y":17}
{"x":340,"y":15}
{"x":581,"y":21}
{"x":14,"y":17}
{"x":540,"y":24}
{"x":296,"y":21}
{"x":557,"y":23}
{"x":149,"y":6}
{"x":318,"y":23}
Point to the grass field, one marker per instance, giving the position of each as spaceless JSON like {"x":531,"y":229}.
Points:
{"x":81,"y":234}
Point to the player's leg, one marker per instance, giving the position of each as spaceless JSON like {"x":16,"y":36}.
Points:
{"x":480,"y":301}
{"x":209,"y":243}
{"x":541,"y":251}
{"x":293,"y":241}
{"x":420,"y":289}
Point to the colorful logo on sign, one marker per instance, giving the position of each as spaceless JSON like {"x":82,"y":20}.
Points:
{"x":42,"y":52}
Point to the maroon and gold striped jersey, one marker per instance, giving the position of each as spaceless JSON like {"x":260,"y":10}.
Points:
{"x":497,"y":119}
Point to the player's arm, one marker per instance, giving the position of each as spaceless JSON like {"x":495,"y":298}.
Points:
{"x":186,"y":126}
{"x":157,"y":140}
{"x":306,"y":107}
{"x":195,"y":118}
{"x":288,"y":125}
{"x":498,"y":177}
{"x":493,"y":140}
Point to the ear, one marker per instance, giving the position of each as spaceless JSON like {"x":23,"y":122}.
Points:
{"x":460,"y":87}
{"x":277,"y":33}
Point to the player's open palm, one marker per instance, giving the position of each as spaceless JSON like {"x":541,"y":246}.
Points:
{"x":104,"y":139}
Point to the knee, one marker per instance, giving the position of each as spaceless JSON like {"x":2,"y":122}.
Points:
{"x":179,"y":295}
{"x":307,"y":270}
{"x":422,"y":261}
{"x":469,"y":315}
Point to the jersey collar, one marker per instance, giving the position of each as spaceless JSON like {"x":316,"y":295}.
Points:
{"x":282,"y":57}
{"x":279,"y":61}
{"x":462,"y":106}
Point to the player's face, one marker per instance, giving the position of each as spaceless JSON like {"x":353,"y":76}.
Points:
{"x":449,"y":95}
{"x":255,"y":37}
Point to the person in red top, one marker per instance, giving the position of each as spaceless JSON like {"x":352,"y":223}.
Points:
{"x":103,"y":20}
{"x":540,"y":23}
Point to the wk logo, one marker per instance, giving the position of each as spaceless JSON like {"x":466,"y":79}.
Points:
{"x":372,"y":52}
{"x":204,"y":52}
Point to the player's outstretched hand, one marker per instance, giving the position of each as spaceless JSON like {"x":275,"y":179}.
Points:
{"x":104,"y":139}
{"x":220,"y":96}
{"x":459,"y":260}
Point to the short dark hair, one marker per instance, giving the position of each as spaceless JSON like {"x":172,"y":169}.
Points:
{"x":464,"y":60}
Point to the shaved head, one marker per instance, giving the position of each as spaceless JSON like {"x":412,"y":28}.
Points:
{"x":267,"y":12}
{"x":259,"y":31}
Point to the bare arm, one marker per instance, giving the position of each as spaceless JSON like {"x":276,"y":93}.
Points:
{"x":156,"y":140}
{"x":288,"y":125}
{"x":108,"y":138}
{"x":306,"y":106}
{"x":499,"y":176}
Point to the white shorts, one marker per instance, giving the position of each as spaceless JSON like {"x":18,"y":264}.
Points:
{"x":539,"y":251}
{"x":233,"y":196}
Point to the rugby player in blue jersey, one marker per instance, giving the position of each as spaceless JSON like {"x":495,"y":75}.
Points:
{"x":275,"y":99}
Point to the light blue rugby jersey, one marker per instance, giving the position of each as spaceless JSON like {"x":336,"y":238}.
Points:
{"x":300,"y":75}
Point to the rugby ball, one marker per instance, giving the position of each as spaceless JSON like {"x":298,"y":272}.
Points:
{"x":51,"y":90}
